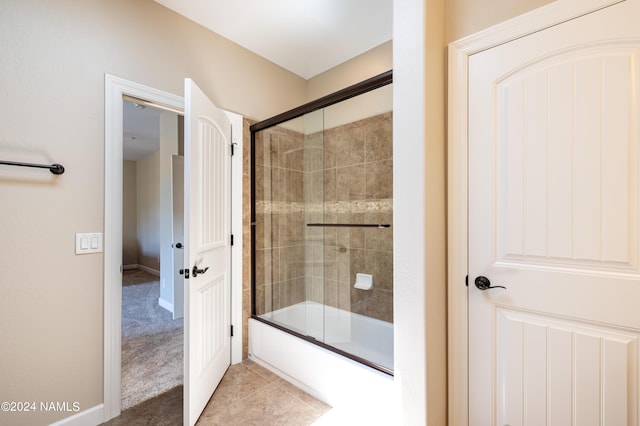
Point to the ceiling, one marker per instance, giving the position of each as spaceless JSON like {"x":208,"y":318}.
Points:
{"x":141,"y":130}
{"x":306,"y":37}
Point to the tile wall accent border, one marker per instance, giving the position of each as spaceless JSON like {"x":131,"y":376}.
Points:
{"x":354,"y":206}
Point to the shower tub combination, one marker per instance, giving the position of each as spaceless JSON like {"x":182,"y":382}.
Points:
{"x":322,"y":245}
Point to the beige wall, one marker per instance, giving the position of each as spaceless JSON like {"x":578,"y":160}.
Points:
{"x":54,"y":56}
{"x":465,"y":17}
{"x":369,"y":64}
{"x":435,"y":210}
{"x":129,"y":214}
{"x":148,"y":210}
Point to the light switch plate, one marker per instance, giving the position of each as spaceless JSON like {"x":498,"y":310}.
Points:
{"x":90,"y":242}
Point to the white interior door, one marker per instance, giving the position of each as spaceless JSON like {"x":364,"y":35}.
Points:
{"x":207,"y":250}
{"x":554,"y":218}
{"x":177,"y":244}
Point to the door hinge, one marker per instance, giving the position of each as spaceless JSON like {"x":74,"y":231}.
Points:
{"x":466,"y":280}
{"x":233,"y":148}
{"x":232,"y":331}
{"x":231,"y":239}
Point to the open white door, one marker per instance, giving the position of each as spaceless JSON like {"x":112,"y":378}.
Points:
{"x":207,"y":350}
{"x":554,"y":216}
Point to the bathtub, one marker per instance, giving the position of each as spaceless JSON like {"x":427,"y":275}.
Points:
{"x":339,"y":381}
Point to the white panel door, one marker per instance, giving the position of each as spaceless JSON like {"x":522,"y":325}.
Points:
{"x":207,"y":343}
{"x":553,"y":217}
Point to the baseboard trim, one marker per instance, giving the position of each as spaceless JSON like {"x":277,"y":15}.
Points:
{"x":149,"y":270}
{"x":129,"y":267}
{"x":91,"y":416}
{"x":164,"y":304}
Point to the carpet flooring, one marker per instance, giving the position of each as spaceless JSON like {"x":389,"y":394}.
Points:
{"x":152,"y":341}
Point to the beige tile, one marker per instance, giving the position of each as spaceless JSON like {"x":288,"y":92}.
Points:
{"x":330,"y":184}
{"x":330,"y":148}
{"x":329,"y":258}
{"x":246,"y":261}
{"x":379,"y":180}
{"x":330,"y":234}
{"x":246,"y":145}
{"x":266,"y":231}
{"x":291,"y":262}
{"x":267,"y":407}
{"x":292,"y":182}
{"x":271,"y":148}
{"x":264,"y":298}
{"x":260,"y":370}
{"x":344,"y":295}
{"x":238,"y":382}
{"x":349,"y":144}
{"x":350,"y":183}
{"x":267,"y":299}
{"x":379,"y":139}
{"x":298,"y":292}
{"x":313,"y":153}
{"x":247,"y":395}
{"x":264,"y":266}
{"x":314,"y":187}
{"x":380,"y":265}
{"x":291,"y":227}
{"x":246,"y":314}
{"x":356,"y":263}
{"x":291,"y":147}
{"x":274,"y":268}
{"x":281,"y":295}
{"x":379,"y":238}
{"x":316,"y":405}
{"x":331,"y":292}
{"x":351,"y":237}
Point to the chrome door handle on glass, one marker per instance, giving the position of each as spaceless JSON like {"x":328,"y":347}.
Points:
{"x":483,"y":283}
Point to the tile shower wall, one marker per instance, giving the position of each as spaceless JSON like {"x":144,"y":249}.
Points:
{"x":280,"y":223}
{"x":246,"y":234}
{"x":341,"y":175}
{"x":357,"y":188}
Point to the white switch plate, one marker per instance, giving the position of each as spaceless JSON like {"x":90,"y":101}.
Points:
{"x":88,"y":242}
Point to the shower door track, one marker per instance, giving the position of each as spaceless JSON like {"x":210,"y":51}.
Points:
{"x":323,"y":345}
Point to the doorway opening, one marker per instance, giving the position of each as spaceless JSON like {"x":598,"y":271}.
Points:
{"x":152,"y":324}
{"x":115,"y":89}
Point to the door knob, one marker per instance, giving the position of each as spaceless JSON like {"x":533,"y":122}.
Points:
{"x":483,"y":283}
{"x":178,"y":245}
{"x":195,"y":271}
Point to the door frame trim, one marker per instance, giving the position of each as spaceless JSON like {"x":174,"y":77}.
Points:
{"x":115,"y":88}
{"x":457,"y":178}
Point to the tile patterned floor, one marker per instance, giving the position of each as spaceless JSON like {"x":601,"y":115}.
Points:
{"x":247,"y":395}
{"x":251,"y":395}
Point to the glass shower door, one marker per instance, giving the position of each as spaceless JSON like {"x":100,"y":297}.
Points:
{"x":289,"y":255}
{"x":323,"y":249}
